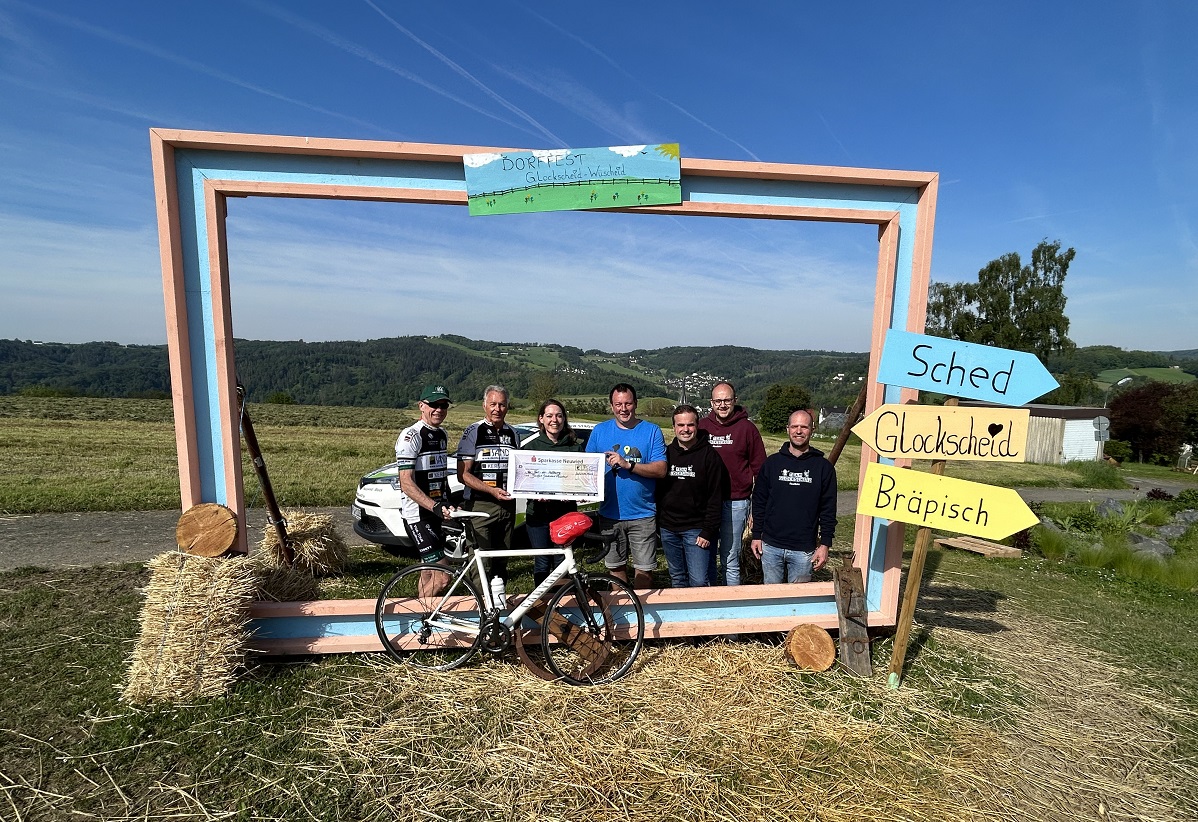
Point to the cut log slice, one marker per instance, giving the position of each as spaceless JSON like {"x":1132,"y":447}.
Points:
{"x":206,"y":530}
{"x":811,"y":647}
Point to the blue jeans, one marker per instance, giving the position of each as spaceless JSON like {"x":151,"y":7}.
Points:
{"x":725,"y":561}
{"x":689,"y":564}
{"x":542,"y":564}
{"x":782,"y":564}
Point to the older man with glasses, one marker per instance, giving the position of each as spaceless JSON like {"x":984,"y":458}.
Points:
{"x":422,"y":456}
{"x":738,"y":442}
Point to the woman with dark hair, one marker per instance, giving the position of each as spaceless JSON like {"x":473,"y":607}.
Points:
{"x":555,"y":435}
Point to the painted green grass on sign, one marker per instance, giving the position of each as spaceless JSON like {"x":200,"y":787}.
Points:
{"x":576,"y":196}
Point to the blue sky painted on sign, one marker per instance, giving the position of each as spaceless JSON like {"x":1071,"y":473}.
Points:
{"x":1043,"y":120}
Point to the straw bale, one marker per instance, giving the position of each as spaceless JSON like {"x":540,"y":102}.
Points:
{"x":193,"y":628}
{"x":314,"y":540}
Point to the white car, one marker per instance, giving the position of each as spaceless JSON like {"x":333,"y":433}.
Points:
{"x":376,"y":507}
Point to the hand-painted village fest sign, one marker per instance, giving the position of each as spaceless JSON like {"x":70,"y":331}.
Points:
{"x":568,"y":179}
{"x":932,"y":501}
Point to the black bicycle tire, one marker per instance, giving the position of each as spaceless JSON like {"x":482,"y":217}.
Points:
{"x":441,"y":657}
{"x":628,"y":649}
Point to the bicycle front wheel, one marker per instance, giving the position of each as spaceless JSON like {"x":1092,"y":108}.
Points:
{"x":437,"y":631}
{"x":593,"y":630}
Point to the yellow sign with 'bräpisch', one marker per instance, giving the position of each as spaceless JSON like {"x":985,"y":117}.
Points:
{"x":943,"y":503}
{"x":942,"y":432}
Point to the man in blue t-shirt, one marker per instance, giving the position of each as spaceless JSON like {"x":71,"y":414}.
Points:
{"x":636,"y":459}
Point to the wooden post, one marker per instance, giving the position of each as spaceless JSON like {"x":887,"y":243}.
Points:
{"x":849,"y":421}
{"x":851,"y":615}
{"x":911,"y":592}
{"x":268,"y":491}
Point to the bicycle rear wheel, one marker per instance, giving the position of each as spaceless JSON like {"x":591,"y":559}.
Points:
{"x":595,"y":638}
{"x":435,"y":632}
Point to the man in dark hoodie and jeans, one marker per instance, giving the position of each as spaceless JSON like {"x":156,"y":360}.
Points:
{"x":690,"y":501}
{"x":738,"y":442}
{"x":794,"y":507}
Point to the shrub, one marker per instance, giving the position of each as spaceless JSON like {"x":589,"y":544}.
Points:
{"x":1158,"y":493}
{"x":1118,"y":450}
{"x":1185,"y":499}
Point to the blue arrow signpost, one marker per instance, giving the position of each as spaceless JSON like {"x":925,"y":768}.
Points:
{"x":961,"y":369}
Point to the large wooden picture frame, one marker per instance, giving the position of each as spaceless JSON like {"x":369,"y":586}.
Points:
{"x":194,"y":173}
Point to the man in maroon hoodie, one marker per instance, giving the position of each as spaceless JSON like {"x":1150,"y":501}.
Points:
{"x":738,"y":442}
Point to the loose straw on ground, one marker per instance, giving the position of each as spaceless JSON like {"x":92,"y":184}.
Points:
{"x":988,"y":728}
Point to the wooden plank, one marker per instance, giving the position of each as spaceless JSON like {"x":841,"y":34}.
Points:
{"x":981,"y":546}
{"x":851,"y":611}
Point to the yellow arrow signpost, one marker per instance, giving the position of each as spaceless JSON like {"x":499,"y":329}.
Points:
{"x":946,"y":432}
{"x":944,"y":503}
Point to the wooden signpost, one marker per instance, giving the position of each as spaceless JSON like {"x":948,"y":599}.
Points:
{"x":931,"y":500}
{"x":946,"y":432}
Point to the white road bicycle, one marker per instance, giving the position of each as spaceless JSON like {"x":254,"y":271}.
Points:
{"x":576,"y":626}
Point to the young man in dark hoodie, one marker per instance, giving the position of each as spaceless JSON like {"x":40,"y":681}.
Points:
{"x":794,"y":507}
{"x":738,"y":442}
{"x":690,"y":501}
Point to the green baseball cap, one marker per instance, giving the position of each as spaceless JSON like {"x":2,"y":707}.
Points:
{"x":434,"y":393}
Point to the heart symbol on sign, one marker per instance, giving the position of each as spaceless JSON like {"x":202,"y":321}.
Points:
{"x":994,"y":428}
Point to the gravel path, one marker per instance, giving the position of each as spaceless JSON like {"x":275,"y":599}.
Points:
{"x":96,"y":538}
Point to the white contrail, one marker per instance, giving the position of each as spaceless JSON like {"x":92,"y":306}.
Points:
{"x":187,"y":63}
{"x":635,"y":80}
{"x":342,"y":43}
{"x":498,"y":98}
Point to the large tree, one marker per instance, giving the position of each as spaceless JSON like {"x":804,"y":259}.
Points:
{"x":1011,"y":305}
{"x":1156,"y":418}
{"x":782,"y":400}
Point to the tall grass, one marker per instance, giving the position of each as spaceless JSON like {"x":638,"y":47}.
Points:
{"x":1097,"y":474}
{"x":1095,"y":541}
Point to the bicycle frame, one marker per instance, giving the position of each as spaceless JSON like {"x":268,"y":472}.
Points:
{"x":512,"y":618}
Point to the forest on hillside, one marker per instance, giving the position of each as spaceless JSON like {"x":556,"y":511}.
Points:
{"x":389,"y":373}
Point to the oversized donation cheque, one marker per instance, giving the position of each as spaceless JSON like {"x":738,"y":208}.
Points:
{"x":553,"y":475}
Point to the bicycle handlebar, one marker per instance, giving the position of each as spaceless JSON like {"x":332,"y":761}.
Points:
{"x":602,"y":539}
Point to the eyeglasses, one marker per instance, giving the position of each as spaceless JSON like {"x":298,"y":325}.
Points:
{"x":442,"y":405}
{"x":723,"y":402}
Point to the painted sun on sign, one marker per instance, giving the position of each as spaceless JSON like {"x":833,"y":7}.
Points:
{"x":568,"y":179}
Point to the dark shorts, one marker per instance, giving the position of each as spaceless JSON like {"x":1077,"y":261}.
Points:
{"x":427,"y":536}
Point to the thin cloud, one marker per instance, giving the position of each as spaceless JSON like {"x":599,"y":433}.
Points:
{"x":357,"y":50}
{"x":455,"y":67}
{"x":581,"y":101}
{"x":824,"y":120}
{"x":193,"y":65}
{"x":601,"y":55}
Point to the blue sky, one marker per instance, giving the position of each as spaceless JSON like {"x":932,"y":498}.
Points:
{"x":1058,"y":121}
